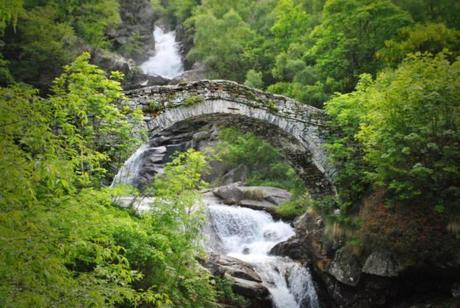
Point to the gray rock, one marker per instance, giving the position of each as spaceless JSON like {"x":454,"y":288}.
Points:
{"x":345,"y":268}
{"x":133,"y":38}
{"x":257,"y":205}
{"x":245,"y":281}
{"x":255,"y":197}
{"x":273,"y":195}
{"x":196,"y":73}
{"x":231,"y":194}
{"x":238,"y":174}
{"x":249,"y":288}
{"x":381,"y":263}
{"x":134,"y":77}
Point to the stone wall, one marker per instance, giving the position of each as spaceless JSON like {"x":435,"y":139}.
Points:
{"x":165,"y":106}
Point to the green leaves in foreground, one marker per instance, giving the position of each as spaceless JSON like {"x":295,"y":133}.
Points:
{"x":63,"y":243}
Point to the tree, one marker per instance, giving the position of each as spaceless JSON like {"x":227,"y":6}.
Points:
{"x":411,"y":133}
{"x":254,"y":79}
{"x":84,"y":103}
{"x":431,"y":38}
{"x":350,"y":34}
{"x":39,"y":47}
{"x":222,"y":51}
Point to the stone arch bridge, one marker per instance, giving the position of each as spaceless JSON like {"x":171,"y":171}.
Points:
{"x":298,"y":130}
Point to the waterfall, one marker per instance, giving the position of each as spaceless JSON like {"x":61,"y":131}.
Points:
{"x":249,"y":235}
{"x":130,"y":169}
{"x":167,"y":61}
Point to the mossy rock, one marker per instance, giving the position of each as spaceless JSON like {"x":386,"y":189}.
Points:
{"x":193,"y":100}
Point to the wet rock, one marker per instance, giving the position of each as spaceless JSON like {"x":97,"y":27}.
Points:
{"x":345,"y":268}
{"x":293,"y":248}
{"x":245,"y":281}
{"x":196,"y":73}
{"x":255,"y":197}
{"x":249,"y":289}
{"x":381,"y":263}
{"x":134,"y":77}
{"x":258,"y":205}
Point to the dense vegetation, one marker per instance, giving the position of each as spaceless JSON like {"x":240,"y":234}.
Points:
{"x":63,"y":242}
{"x":386,"y":73}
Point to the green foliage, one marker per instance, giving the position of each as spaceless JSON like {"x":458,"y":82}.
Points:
{"x":266,"y":164}
{"x":424,"y":11}
{"x":193,"y":100}
{"x":295,"y":207}
{"x":401,"y":132}
{"x":154,"y":106}
{"x":345,"y":151}
{"x":9,"y":12}
{"x":45,"y":35}
{"x":62,"y":240}
{"x":414,"y":147}
{"x":84,"y":103}
{"x":40,"y":46}
{"x":432,"y":38}
{"x":350,"y":34}
{"x":225,"y":294}
{"x":167,"y":246}
{"x":254,"y":79}
{"x":90,"y":19}
{"x":222,"y":51}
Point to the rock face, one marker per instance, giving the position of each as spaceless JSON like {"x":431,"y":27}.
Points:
{"x":133,"y":38}
{"x":134,"y":77}
{"x":246,"y":282}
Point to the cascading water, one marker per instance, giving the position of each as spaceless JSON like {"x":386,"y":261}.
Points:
{"x":130,"y":169}
{"x":167,"y":61}
{"x":249,"y":235}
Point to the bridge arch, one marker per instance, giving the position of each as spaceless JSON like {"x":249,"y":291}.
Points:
{"x":296,"y":129}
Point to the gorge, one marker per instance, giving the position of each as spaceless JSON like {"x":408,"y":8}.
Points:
{"x":220,"y":154}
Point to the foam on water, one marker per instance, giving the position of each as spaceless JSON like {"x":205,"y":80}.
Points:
{"x":249,"y":235}
{"x":167,"y":61}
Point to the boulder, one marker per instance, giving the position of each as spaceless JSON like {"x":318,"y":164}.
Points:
{"x":345,"y":268}
{"x":275,"y":196}
{"x":381,"y":263}
{"x":255,"y":197}
{"x":245,"y":281}
{"x":230,"y":194}
{"x":293,"y":248}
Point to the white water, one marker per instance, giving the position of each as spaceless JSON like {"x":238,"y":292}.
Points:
{"x":167,"y":61}
{"x":249,"y":235}
{"x":130,"y":169}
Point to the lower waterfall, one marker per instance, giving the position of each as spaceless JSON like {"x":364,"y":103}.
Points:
{"x":249,"y":235}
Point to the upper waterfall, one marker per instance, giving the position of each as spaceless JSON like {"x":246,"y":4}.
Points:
{"x":167,"y":61}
